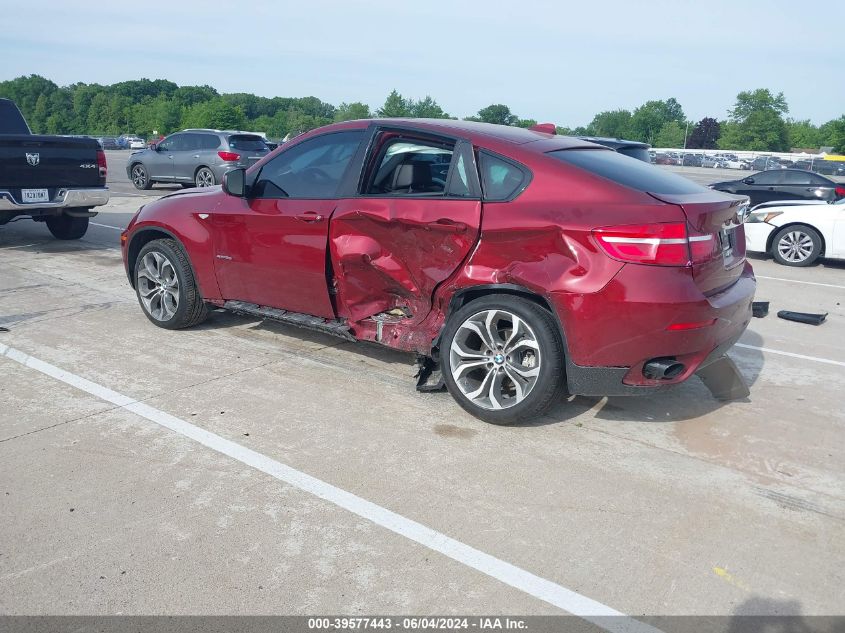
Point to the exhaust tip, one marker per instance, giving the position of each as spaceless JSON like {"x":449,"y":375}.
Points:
{"x":663,"y":369}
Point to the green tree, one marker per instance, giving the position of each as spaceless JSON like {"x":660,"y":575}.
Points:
{"x":394,"y":106}
{"x":497,"y":113}
{"x":426,"y":109}
{"x":758,"y":124}
{"x":649,"y":118}
{"x":612,"y":123}
{"x":215,"y":114}
{"x":670,"y":135}
{"x":352,"y":111}
{"x":833,"y":134}
{"x":705,"y":134}
{"x":803,"y":134}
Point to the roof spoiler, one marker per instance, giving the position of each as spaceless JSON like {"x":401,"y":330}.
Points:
{"x":545,"y":128}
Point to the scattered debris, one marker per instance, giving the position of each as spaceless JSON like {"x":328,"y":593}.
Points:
{"x":429,"y":377}
{"x":3,"y":329}
{"x":724,"y":380}
{"x":802,"y":317}
{"x":760,"y":308}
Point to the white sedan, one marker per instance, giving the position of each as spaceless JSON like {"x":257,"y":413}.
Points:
{"x":797,"y":232}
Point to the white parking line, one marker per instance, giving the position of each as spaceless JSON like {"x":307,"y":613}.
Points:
{"x":792,"y":355}
{"x":795,"y":281}
{"x":516,"y":577}
{"x":106,"y":226}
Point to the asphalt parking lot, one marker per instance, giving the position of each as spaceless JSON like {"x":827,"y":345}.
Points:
{"x":243,"y":467}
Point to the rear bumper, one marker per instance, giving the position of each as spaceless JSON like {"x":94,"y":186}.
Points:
{"x":611,"y":334}
{"x":63,"y":198}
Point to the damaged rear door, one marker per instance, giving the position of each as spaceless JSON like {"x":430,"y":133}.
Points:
{"x":413,"y":223}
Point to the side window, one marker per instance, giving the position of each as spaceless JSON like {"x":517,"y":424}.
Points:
{"x":796,"y":178}
{"x":459,"y":182}
{"x":500,"y":179}
{"x":311,"y":169}
{"x":172,"y":143}
{"x":190,"y":142}
{"x":818,"y":180}
{"x":209,"y":141}
{"x":768,"y":178}
{"x":405,"y":167}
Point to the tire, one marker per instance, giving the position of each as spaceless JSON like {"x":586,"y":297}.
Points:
{"x":796,"y":245}
{"x":166,"y":288}
{"x":65,"y":227}
{"x":140,"y":177}
{"x":536,"y":350}
{"x":204,"y":177}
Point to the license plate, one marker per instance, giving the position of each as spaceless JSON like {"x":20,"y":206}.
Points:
{"x":34,"y":195}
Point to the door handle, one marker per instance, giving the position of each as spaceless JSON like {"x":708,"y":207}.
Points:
{"x":310,"y":216}
{"x":448,"y":226}
{"x":196,"y":155}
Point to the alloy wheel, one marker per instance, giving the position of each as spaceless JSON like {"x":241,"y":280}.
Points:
{"x":795,"y":246}
{"x":139,"y":176}
{"x":158,"y":286}
{"x":495,"y":359}
{"x":204,"y":178}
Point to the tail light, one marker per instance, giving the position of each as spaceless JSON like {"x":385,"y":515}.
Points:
{"x":102,"y":165}
{"x":229,"y":157}
{"x":663,"y":244}
{"x":840,"y":191}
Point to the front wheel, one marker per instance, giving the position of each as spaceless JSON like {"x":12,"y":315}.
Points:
{"x":140,"y":177}
{"x":166,"y":288}
{"x":502,"y":359}
{"x":65,"y":227}
{"x":796,"y":246}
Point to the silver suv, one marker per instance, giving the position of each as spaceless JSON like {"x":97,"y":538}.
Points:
{"x":194,"y":158}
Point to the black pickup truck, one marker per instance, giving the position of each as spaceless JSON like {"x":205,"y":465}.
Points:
{"x":51,"y":179}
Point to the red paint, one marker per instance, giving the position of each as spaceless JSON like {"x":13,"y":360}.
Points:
{"x":369,"y":255}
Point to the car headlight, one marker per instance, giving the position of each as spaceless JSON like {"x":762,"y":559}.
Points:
{"x":763,"y":216}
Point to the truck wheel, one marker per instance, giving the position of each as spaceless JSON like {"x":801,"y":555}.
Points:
{"x":166,"y":288}
{"x":796,"y":246}
{"x":140,"y":177}
{"x":502,"y":359}
{"x":204,"y":177}
{"x":65,"y":227}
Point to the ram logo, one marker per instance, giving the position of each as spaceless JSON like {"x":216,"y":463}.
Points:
{"x":33,"y":159}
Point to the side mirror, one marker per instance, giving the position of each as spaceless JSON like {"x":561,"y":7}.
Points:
{"x":748,"y":181}
{"x":234,"y":182}
{"x":154,"y":147}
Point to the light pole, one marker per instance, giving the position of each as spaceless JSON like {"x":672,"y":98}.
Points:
{"x":685,"y":135}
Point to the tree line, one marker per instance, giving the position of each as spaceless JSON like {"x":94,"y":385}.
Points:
{"x":757,"y":121}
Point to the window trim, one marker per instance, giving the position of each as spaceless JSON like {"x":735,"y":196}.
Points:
{"x":527,"y":176}
{"x":342,"y":182}
{"x":460,"y":147}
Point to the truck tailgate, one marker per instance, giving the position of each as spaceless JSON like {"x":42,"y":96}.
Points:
{"x":48,"y":162}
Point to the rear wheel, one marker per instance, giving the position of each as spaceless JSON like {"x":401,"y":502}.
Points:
{"x":166,"y":288}
{"x":797,"y":246}
{"x":204,"y":177}
{"x":502,"y":359}
{"x":140,"y":177}
{"x":65,"y":227}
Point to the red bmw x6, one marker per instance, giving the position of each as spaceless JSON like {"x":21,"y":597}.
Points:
{"x":517,"y":264}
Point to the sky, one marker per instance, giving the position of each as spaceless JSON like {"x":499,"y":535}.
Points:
{"x":559,"y":62}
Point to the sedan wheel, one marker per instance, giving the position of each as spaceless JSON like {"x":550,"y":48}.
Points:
{"x":504,"y":361}
{"x":205,"y":178}
{"x":796,"y":246}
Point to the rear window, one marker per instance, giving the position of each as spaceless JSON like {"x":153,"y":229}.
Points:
{"x":11,"y":120}
{"x":500,"y":178}
{"x":627,"y":171}
{"x":247,"y":143}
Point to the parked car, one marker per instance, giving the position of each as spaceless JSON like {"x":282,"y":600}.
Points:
{"x":713,"y":161}
{"x":797,"y":233}
{"x":783,"y":184}
{"x":514,"y":263}
{"x":194,"y":158}
{"x":132,"y":142}
{"x":57,"y":180}
{"x":666,"y":159}
{"x":736,"y":163}
{"x":692,"y":160}
{"x":108,"y":142}
{"x":766,"y":162}
{"x":829,"y":167}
